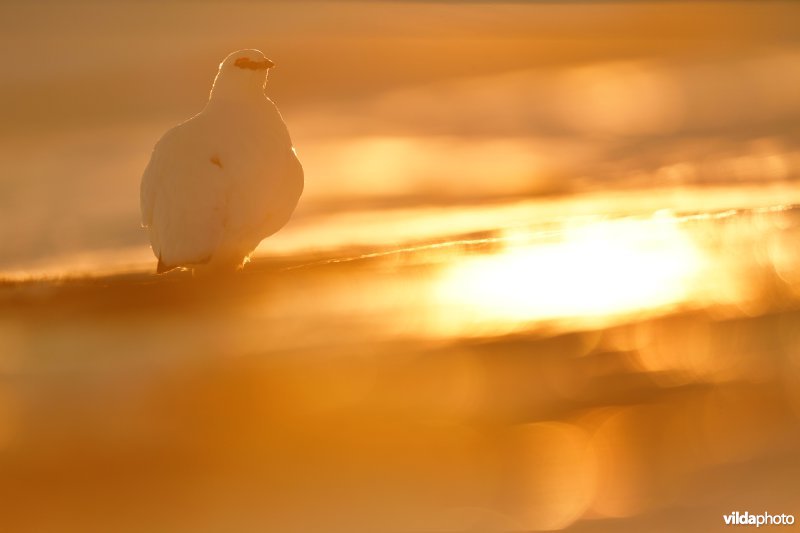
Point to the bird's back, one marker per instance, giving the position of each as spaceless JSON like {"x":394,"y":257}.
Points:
{"x":218,"y":184}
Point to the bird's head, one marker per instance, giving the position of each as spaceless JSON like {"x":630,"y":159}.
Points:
{"x":241,"y":73}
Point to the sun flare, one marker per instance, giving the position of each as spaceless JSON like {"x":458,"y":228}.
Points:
{"x":601,"y":269}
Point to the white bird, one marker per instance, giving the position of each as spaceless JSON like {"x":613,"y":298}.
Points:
{"x":225,"y":179}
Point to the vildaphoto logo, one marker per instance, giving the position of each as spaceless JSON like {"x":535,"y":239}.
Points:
{"x":765,"y":519}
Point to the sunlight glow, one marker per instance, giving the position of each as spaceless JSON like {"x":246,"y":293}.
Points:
{"x":600,"y":269}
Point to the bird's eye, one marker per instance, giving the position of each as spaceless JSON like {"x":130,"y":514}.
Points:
{"x":242,"y":62}
{"x":246,"y":62}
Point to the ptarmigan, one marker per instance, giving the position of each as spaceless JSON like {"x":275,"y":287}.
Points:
{"x":225,"y":179}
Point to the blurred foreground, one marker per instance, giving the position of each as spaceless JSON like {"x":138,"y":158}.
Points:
{"x":589,"y":373}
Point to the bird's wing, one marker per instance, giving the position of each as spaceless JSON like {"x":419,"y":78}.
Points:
{"x":285,"y":169}
{"x":183,"y":200}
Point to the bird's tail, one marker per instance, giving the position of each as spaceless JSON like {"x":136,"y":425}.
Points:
{"x":161,"y":268}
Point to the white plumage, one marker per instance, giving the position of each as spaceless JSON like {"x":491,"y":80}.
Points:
{"x":225,"y":179}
